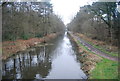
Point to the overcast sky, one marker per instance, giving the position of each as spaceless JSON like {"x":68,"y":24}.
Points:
{"x":67,"y":8}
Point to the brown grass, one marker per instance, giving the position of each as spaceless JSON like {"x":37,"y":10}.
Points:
{"x":12,"y":47}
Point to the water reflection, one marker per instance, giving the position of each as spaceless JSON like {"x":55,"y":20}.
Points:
{"x":27,"y":65}
{"x":56,"y":61}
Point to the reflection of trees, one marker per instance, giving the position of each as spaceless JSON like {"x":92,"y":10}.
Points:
{"x":29,"y":64}
{"x":8,"y":69}
{"x":41,"y":66}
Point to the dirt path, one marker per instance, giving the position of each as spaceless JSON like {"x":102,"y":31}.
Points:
{"x":95,"y":50}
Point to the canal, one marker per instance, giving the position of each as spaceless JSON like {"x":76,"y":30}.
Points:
{"x":56,"y":60}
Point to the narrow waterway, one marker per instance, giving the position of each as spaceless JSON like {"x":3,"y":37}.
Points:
{"x":58,"y":60}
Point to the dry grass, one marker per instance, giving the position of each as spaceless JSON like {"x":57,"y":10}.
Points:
{"x":12,"y":47}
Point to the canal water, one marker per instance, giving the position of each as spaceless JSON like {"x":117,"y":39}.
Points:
{"x":57,"y":60}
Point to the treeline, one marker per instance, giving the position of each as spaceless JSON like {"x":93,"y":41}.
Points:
{"x":100,"y":21}
{"x":24,"y":20}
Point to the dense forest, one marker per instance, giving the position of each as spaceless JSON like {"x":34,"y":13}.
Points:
{"x":24,"y":20}
{"x":98,"y":21}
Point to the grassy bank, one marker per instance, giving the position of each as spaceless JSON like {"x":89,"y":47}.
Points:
{"x":106,"y":69}
{"x":103,"y":69}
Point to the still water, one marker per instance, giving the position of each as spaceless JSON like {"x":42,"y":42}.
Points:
{"x":58,"y":60}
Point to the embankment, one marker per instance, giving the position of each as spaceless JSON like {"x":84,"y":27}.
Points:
{"x":95,"y":66}
{"x":12,"y":47}
{"x":87,"y":59}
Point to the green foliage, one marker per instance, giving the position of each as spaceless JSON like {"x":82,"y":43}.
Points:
{"x":8,"y":37}
{"x":39,"y":35}
{"x":25,"y":36}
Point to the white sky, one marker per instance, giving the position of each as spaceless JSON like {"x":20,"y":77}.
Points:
{"x":67,"y":9}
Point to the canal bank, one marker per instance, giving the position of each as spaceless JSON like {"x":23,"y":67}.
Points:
{"x":95,"y":66}
{"x":10,"y":48}
{"x":88,"y":60}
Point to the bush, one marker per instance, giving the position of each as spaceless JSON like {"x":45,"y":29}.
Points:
{"x":25,"y":36}
{"x":39,"y":35}
{"x":6,"y":37}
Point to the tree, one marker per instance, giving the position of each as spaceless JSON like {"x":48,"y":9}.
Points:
{"x":99,"y":20}
{"x":29,"y":19}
